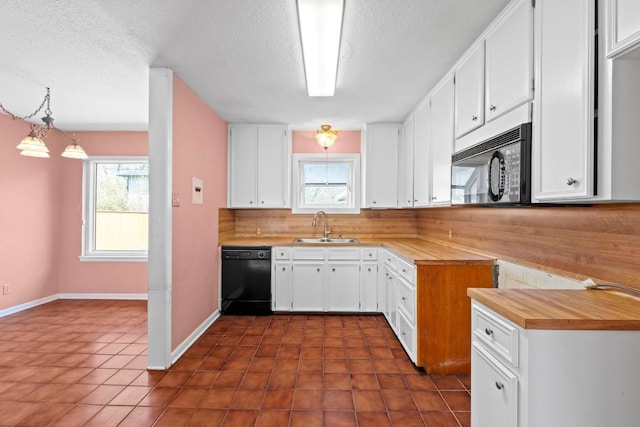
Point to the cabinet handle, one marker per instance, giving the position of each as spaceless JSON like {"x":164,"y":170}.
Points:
{"x":571,"y":181}
{"x":250,"y":202}
{"x":369,"y":269}
{"x":488,"y":331}
{"x":333,"y":269}
{"x":404,"y":298}
{"x":415,"y":200}
{"x":370,"y":255}
{"x":408,"y":201}
{"x":404,"y":334}
{"x":318,"y":269}
{"x":284,"y":268}
{"x":262,"y":202}
{"x":434,"y":197}
{"x":492,"y":108}
{"x":374,"y":202}
{"x":404,"y":270}
{"x":281,"y":253}
{"x":499,"y":385}
{"x":474,"y":117}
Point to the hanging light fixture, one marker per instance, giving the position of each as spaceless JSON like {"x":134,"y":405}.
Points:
{"x":326,"y":136}
{"x":33,"y":144}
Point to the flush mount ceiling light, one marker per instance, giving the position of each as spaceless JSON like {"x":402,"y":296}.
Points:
{"x":320,"y":24}
{"x":326,"y":136}
{"x":33,"y":144}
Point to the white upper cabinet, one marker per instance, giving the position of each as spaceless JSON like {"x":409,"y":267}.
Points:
{"x":421,"y":159}
{"x":469,"y":91}
{"x":407,"y":163}
{"x":441,"y":141}
{"x":563,"y":132}
{"x":382,"y":147}
{"x":623,"y":20}
{"x":509,"y":55}
{"x":258,"y":166}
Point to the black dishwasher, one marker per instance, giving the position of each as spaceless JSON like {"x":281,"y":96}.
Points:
{"x":246,"y":280}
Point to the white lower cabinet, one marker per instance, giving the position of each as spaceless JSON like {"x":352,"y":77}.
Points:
{"x":343,"y":286}
{"x":497,"y":406}
{"x":552,"y":378}
{"x":343,"y":279}
{"x":282,"y":292}
{"x":307,"y":286}
{"x":399,"y":283}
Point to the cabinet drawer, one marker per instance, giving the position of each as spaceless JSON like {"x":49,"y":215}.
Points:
{"x":406,"y":334}
{"x":343,"y":253}
{"x":369,"y":254}
{"x":281,"y":253}
{"x":497,"y":334}
{"x":407,"y":299}
{"x":406,"y":270}
{"x":316,"y":254}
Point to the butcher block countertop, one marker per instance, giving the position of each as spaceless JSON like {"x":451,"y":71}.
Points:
{"x":563,"y":309}
{"x":419,"y":252}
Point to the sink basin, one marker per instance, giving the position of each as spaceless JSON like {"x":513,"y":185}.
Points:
{"x":323,"y":240}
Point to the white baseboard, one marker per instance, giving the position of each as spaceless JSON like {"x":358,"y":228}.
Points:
{"x":104,"y":296}
{"x":193,"y":337}
{"x":35,"y":303}
{"x":27,"y":305}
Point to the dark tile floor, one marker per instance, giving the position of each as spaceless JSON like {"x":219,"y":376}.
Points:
{"x":72,"y":363}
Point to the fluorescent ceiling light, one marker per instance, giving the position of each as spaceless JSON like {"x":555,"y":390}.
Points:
{"x":320,"y":31}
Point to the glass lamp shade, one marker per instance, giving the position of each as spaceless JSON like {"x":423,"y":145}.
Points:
{"x":31,"y":153}
{"x":32,"y":143}
{"x":326,"y":136}
{"x":74,"y":151}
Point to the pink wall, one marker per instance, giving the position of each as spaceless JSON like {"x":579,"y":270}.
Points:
{"x":200,"y":151}
{"x":305,"y":142}
{"x":94,"y":277}
{"x":29,"y":217}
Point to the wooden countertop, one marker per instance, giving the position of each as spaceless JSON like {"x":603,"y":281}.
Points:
{"x":563,"y":309}
{"x":420,"y":252}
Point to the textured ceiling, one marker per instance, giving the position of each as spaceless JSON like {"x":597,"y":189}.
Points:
{"x":243,"y":57}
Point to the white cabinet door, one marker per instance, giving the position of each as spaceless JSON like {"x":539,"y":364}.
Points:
{"x":563,"y":145}
{"x":272,"y":168}
{"x":441,"y":140}
{"x":343,"y":286}
{"x":422,"y":161}
{"x":282,"y":286}
{"x":406,"y":164}
{"x":624,"y":26}
{"x":392,"y":305}
{"x":382,"y":142}
{"x":494,"y":400}
{"x":369,"y":287}
{"x":509,"y":54}
{"x":469,"y":91}
{"x":307,"y":289}
{"x":243,"y":167}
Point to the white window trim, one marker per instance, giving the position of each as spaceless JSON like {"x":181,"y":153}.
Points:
{"x":297,"y":188}
{"x":88,"y":213}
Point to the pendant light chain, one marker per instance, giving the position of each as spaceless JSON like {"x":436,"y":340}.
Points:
{"x":47,"y":111}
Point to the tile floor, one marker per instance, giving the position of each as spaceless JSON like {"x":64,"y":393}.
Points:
{"x":80,"y":362}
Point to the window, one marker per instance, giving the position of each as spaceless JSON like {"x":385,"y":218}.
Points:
{"x":116,"y":209}
{"x":326,"y":182}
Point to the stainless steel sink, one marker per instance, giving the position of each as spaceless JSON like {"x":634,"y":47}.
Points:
{"x":323,"y":240}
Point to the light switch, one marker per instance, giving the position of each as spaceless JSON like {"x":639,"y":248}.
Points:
{"x":196,"y":191}
{"x":175,"y":200}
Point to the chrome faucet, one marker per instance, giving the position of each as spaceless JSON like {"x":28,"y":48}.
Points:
{"x":315,"y":221}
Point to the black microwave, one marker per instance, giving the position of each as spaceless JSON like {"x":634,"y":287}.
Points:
{"x":495,"y":172}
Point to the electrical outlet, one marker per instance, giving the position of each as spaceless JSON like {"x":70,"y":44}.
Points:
{"x":450,"y":234}
{"x":6,"y":289}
